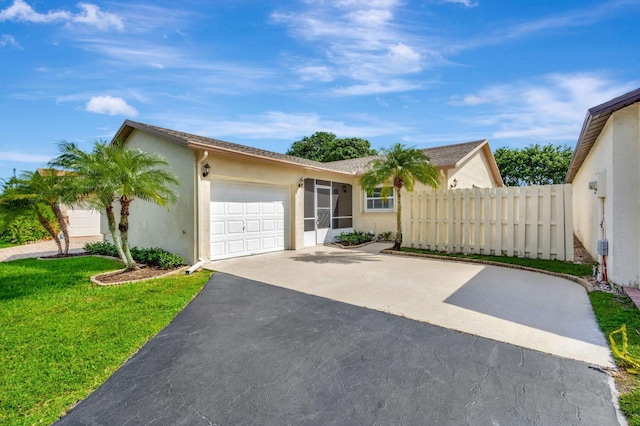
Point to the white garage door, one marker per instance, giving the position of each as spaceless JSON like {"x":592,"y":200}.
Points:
{"x":247,"y":219}
{"x":83,"y":222}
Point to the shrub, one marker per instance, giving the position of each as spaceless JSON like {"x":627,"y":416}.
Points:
{"x":384,"y":236}
{"x":354,"y":238}
{"x":153,"y":256}
{"x":24,"y":230}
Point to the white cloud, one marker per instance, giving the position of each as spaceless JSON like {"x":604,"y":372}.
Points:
{"x":21,"y":157}
{"x":376,"y":88}
{"x":8,"y":40}
{"x":465,"y":3}
{"x":111,"y":106}
{"x":358,"y":40}
{"x":90,"y":15}
{"x":277,"y":125}
{"x":550,"y":108}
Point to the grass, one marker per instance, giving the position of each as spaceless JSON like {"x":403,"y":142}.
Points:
{"x":576,"y":269}
{"x":611,"y":312}
{"x":62,"y":337}
{"x":4,"y":244}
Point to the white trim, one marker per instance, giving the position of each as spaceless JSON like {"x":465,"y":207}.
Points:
{"x":391,"y":198}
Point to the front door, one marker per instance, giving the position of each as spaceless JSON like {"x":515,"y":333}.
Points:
{"x":323,"y":214}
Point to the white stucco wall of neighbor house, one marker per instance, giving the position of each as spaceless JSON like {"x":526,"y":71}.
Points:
{"x":154,"y":226}
{"x":626,"y":197}
{"x":615,"y":217}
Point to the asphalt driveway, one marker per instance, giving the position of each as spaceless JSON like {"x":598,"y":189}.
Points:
{"x":245,"y":352}
{"x":527,"y":309}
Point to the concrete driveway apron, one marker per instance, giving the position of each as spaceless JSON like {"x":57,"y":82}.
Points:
{"x":527,"y":309}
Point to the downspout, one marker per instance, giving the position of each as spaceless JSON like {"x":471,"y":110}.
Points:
{"x":196,"y":214}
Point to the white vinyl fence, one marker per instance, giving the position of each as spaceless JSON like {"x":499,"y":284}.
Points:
{"x":527,"y":221}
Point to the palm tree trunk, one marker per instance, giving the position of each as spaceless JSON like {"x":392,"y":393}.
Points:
{"x":115,"y":235}
{"x":124,"y":232}
{"x":398,"y":243}
{"x":62,"y":223}
{"x":46,"y":225}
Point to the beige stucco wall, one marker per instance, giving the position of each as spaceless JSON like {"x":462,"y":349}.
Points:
{"x":154,"y":226}
{"x":474,"y":172}
{"x":616,"y":154}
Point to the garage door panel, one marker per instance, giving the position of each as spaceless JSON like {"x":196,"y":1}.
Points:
{"x":217,"y":209}
{"x":235,"y":227}
{"x":236,"y":246}
{"x":268,"y":208}
{"x":235,"y":208}
{"x":217,"y":228}
{"x":247,"y":219}
{"x":253,"y":244}
{"x":269,"y":243}
{"x":252,"y":225}
{"x":252,"y":208}
{"x":268,"y":225}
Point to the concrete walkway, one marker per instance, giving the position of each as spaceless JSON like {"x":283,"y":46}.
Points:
{"x":44,"y":248}
{"x":527,"y":309}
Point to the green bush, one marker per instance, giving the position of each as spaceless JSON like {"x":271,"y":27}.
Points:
{"x":354,"y":238}
{"x":24,"y":230}
{"x":384,"y":236}
{"x":153,"y":256}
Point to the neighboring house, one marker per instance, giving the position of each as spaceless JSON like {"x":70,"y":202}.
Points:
{"x":605,"y":177}
{"x":236,"y":200}
{"x":82,"y":221}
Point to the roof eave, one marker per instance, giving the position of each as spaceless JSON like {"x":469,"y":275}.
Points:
{"x":211,"y":148}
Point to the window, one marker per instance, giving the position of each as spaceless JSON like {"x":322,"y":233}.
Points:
{"x":374,"y":202}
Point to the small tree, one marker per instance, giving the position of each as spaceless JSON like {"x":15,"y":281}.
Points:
{"x":399,"y":168}
{"x":33,"y":194}
{"x":325,"y":147}
{"x":534,"y":164}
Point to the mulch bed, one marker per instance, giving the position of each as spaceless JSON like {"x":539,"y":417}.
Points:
{"x":145,"y":272}
{"x":64,"y":256}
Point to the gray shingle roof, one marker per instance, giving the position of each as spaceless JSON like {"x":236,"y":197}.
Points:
{"x":443,"y":157}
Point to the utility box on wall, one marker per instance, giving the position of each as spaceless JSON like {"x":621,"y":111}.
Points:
{"x":603,"y":247}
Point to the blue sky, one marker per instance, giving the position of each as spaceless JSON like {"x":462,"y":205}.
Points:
{"x":266,"y":73}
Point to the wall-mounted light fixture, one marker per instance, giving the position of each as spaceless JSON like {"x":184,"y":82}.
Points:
{"x":207,"y":169}
{"x":453,"y":184}
{"x":301,"y":182}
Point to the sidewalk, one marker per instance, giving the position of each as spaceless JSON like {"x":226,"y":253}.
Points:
{"x":44,"y":248}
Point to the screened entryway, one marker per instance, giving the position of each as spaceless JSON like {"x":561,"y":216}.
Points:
{"x":328,"y":210}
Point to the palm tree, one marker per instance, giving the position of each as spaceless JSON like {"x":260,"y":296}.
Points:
{"x":35,"y":191}
{"x":51,"y":186}
{"x":138,"y":174}
{"x":18,"y":200}
{"x":399,"y":167}
{"x":93,"y":181}
{"x":113,"y":172}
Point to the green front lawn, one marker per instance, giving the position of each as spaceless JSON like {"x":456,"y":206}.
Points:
{"x":4,"y":244}
{"x":612,"y":311}
{"x":576,"y":269}
{"x":61,"y":337}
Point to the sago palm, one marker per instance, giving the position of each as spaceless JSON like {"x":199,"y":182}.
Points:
{"x":398,"y":168}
